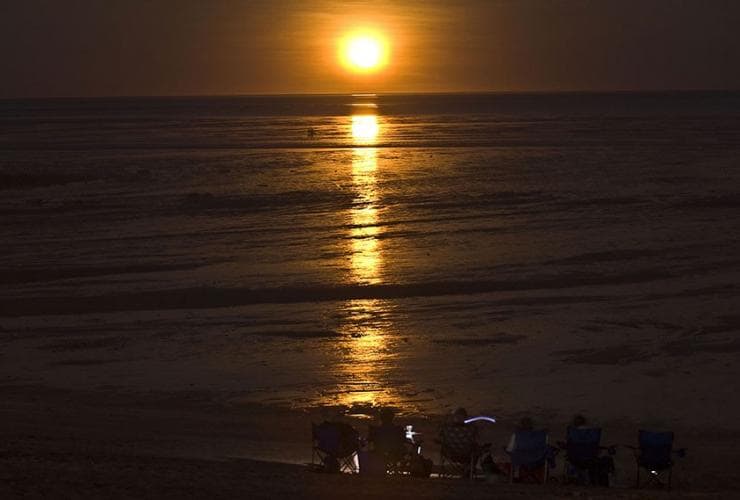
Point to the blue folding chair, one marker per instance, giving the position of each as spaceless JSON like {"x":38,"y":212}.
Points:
{"x":582,"y":456}
{"x":531,"y":454}
{"x":655,"y":454}
{"x":335,"y":447}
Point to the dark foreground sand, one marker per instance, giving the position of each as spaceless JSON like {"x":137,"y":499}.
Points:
{"x":56,"y":475}
{"x":61,"y":444}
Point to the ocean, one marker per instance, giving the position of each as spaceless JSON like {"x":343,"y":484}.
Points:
{"x":505,"y":252}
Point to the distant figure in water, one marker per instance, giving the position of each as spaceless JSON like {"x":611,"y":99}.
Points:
{"x":311,"y":133}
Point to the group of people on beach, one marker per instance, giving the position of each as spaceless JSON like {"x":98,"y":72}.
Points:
{"x":393,"y":448}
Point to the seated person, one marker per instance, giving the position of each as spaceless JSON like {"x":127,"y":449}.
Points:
{"x":525,"y":424}
{"x":387,"y":438}
{"x":459,"y":441}
{"x":388,"y":449}
{"x":585,"y":463}
{"x":336,"y":442}
{"x":456,"y":425}
{"x":530,"y":459}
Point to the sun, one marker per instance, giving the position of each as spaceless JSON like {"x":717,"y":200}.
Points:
{"x":364,"y":51}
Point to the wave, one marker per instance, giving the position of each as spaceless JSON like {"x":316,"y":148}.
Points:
{"x":214,"y":297}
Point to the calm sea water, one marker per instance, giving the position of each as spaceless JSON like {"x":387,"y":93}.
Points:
{"x":499,"y":251}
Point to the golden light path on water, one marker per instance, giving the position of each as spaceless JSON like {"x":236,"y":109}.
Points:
{"x":367,"y":325}
{"x":366,"y":253}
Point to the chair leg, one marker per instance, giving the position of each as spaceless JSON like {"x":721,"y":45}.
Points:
{"x":637,"y":484}
{"x":565,"y":471}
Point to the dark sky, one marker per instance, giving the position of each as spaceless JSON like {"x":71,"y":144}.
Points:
{"x":163,"y":47}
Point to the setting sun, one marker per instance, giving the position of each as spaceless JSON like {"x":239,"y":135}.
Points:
{"x":364,"y":52}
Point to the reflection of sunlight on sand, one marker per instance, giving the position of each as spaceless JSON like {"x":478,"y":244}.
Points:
{"x":366,"y":326}
{"x":367,"y":358}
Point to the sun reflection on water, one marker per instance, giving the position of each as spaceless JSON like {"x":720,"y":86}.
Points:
{"x":366,"y":326}
{"x":365,"y":129}
{"x":366,"y":253}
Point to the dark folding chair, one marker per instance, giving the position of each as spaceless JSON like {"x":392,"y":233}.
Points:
{"x":654,"y":454}
{"x":582,"y":456}
{"x":532,"y":456}
{"x":459,"y":450}
{"x":335,"y":447}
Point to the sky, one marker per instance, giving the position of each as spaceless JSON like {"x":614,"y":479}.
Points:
{"x":51,"y":48}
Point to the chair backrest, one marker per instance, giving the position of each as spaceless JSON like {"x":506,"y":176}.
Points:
{"x":458,"y":441}
{"x":387,"y":438}
{"x":655,"y":449}
{"x":335,"y":438}
{"x":530,"y":448}
{"x":583,"y":443}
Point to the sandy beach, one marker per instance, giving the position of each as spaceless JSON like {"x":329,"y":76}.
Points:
{"x":61,"y":444}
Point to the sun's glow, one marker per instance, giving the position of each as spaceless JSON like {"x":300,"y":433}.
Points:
{"x":364,"y":51}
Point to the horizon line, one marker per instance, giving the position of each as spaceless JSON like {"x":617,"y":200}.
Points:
{"x":393,"y":93}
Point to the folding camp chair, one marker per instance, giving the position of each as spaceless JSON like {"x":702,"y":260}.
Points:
{"x":583,"y":461}
{"x":654,"y":454}
{"x":532,"y":456}
{"x":459,"y":450}
{"x":335,"y":447}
